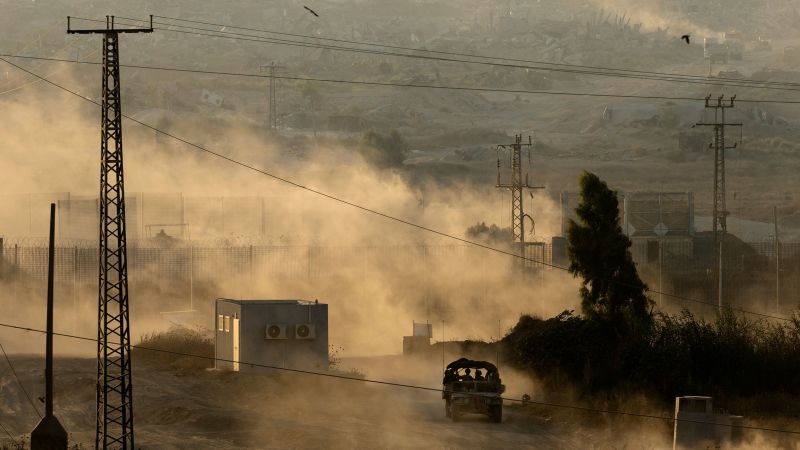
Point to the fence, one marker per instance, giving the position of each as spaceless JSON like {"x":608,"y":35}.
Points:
{"x":749,"y":273}
{"x":146,"y":214}
{"x":79,"y":262}
{"x":680,"y":272}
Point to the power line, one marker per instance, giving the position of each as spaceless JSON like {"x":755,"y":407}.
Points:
{"x":736,"y":83}
{"x":385,"y":216}
{"x":366,"y":209}
{"x":471,"y":55}
{"x":333,"y":375}
{"x":403,"y":385}
{"x":262,"y":39}
{"x":388,"y":84}
{"x":374,"y":83}
{"x":65,"y":47}
{"x":33,"y":405}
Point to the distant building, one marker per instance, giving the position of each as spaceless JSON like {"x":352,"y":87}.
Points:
{"x":277,"y":333}
{"x":419,"y":340}
{"x":643,"y":214}
{"x":654,"y":221}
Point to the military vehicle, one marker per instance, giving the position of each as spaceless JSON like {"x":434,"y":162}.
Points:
{"x":472,"y":387}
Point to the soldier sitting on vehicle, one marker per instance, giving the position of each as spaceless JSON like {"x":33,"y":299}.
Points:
{"x":479,"y":376}
{"x":467,"y":375}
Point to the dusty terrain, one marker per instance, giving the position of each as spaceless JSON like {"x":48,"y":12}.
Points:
{"x":212,"y":410}
{"x":450,"y":167}
{"x":208,"y":409}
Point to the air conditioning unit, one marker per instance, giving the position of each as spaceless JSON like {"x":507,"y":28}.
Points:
{"x":276,"y":331}
{"x":305,"y":331}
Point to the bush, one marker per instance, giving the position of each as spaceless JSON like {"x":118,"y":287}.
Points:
{"x":172,"y":349}
{"x":680,"y":355}
{"x":384,"y":151}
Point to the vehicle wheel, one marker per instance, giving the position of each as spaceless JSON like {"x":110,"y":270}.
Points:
{"x":496,"y":413}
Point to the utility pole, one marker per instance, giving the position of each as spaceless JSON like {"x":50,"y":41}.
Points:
{"x":719,"y":219}
{"x":273,"y":98}
{"x":114,"y":386}
{"x":777,"y":262}
{"x":516,"y":186}
{"x":49,"y":434}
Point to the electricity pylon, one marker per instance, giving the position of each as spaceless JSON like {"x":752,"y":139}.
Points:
{"x":114,"y":385}
{"x":516,"y":186}
{"x":720,"y":213}
{"x":273,"y":94}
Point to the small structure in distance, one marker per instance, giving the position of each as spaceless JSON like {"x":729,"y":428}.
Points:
{"x":259,"y":334}
{"x":419,"y":340}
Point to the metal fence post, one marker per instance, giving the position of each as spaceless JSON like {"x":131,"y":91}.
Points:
{"x":250,"y":258}
{"x":191,"y":277}
{"x":16,"y":269}
{"x":75,"y":290}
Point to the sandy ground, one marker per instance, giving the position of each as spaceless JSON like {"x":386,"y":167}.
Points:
{"x":216,"y":410}
{"x":176,"y":407}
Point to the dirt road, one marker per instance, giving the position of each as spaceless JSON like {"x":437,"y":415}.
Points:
{"x":217,"y":410}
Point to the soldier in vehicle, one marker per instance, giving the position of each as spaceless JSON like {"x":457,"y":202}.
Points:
{"x":459,"y":390}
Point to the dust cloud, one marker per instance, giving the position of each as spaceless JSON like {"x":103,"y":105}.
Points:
{"x":373,"y":295}
{"x":653,"y":16}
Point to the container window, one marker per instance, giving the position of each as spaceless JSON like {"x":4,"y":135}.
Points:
{"x":220,"y":323}
{"x":227,"y":323}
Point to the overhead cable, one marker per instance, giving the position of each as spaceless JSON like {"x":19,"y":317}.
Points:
{"x":406,"y":385}
{"x":367,"y":209}
{"x":471,"y":55}
{"x":401,"y":85}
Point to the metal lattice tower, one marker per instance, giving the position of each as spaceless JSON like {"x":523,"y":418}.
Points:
{"x":273,"y":97}
{"x":516,"y":186}
{"x":720,"y":213}
{"x":114,"y":385}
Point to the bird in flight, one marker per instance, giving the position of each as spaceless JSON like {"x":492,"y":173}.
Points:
{"x":685,"y":37}
{"x":311,"y":11}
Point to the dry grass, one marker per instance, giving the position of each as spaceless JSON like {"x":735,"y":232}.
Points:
{"x":171,"y":349}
